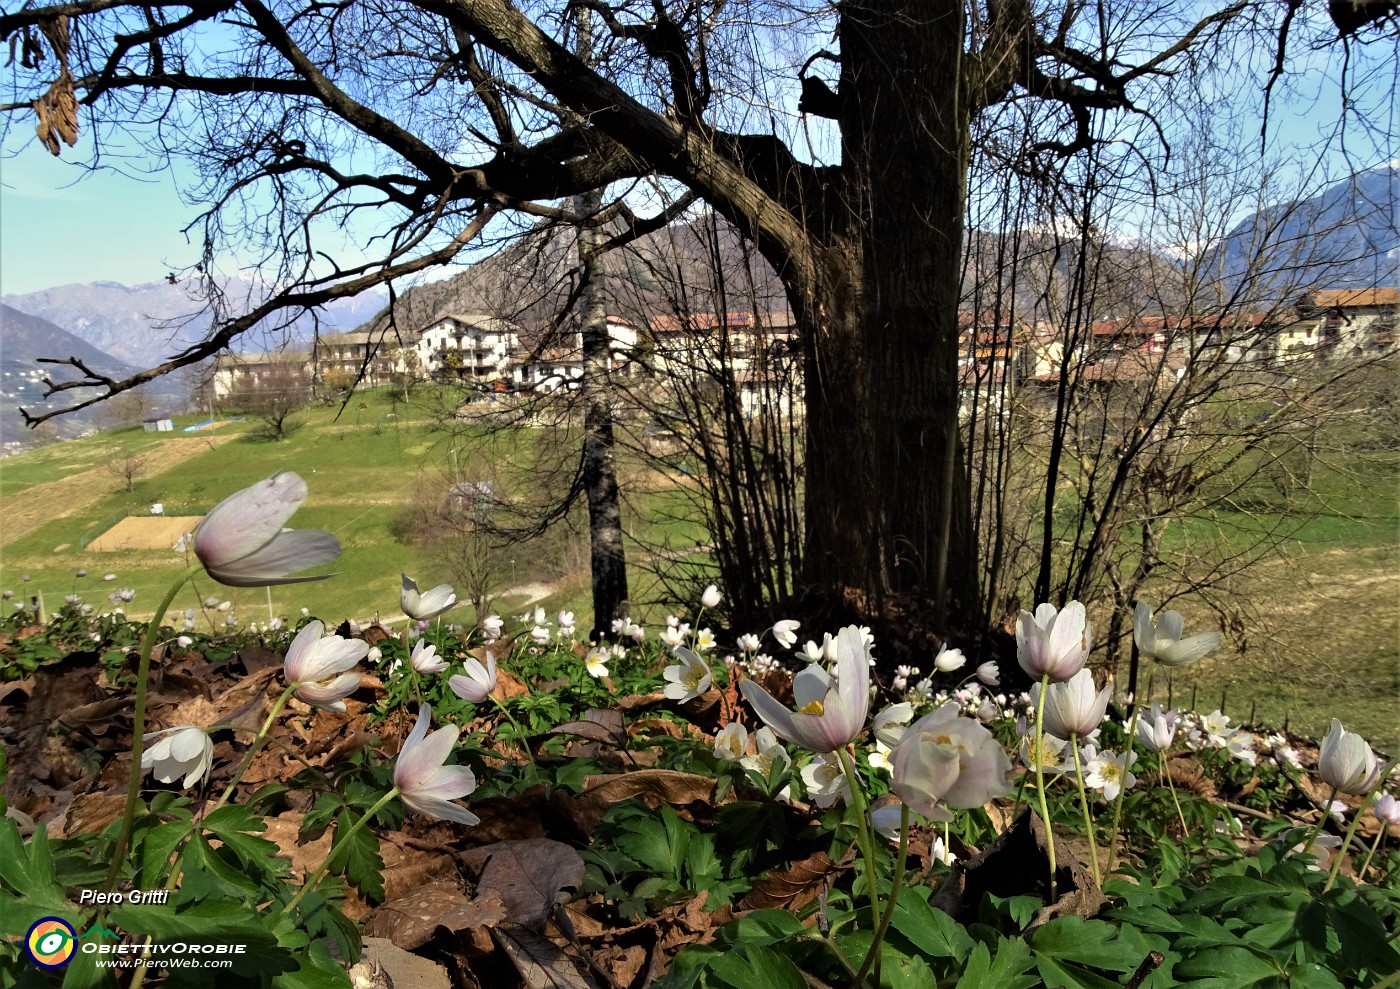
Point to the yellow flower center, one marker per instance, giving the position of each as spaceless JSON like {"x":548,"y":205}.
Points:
{"x":814,"y":707}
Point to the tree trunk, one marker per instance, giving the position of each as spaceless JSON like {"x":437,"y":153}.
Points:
{"x":606,"y":551}
{"x":888,"y":513}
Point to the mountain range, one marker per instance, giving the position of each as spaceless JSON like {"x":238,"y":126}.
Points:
{"x":23,"y":339}
{"x":142,"y":325}
{"x":1348,"y":236}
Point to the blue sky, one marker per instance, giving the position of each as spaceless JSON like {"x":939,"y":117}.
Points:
{"x":60,"y":224}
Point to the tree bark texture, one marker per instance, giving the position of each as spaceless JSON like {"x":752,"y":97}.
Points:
{"x":607,"y":554}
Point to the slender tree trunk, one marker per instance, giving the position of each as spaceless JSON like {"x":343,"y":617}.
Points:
{"x":607,"y":554}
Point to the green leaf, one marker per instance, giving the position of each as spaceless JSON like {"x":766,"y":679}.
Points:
{"x":646,"y":842}
{"x":357,"y":857}
{"x":156,"y":846}
{"x":29,"y":867}
{"x":1004,"y":970}
{"x":754,"y":966}
{"x":1365,"y":942}
{"x":208,"y":876}
{"x":237,"y":827}
{"x":906,"y":972}
{"x":316,"y":970}
{"x":1092,"y":943}
{"x":928,"y":929}
{"x":1227,"y":968}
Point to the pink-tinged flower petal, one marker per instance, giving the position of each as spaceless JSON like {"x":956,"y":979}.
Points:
{"x":427,"y":605}
{"x":843,"y":705}
{"x":299,"y":653}
{"x":424,"y":659}
{"x":424,"y":783}
{"x":479,"y":682}
{"x":331,"y":695}
{"x":242,"y":543}
{"x":312,"y":658}
{"x":288,"y":552}
{"x":774,"y":715}
{"x":444,"y":810}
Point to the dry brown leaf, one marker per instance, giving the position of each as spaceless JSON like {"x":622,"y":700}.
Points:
{"x":792,"y":888}
{"x":89,"y":813}
{"x":409,"y":921}
{"x":542,"y":964}
{"x":653,"y":787}
{"x":599,"y":724}
{"x":531,"y":877}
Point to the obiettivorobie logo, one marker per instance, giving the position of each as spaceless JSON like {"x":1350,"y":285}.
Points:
{"x":52,"y":942}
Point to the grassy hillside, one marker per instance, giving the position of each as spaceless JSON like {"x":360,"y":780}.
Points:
{"x":1322,"y":634}
{"x":362,"y":466}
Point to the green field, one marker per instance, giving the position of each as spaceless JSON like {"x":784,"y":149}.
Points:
{"x":362,"y":468}
{"x":1320,"y":635}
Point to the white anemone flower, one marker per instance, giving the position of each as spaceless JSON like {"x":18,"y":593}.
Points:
{"x":425,"y":783}
{"x":1110,"y":772}
{"x":785,"y":632}
{"x":242,"y":542}
{"x":596,"y":662}
{"x":830,"y":711}
{"x":731,"y":741}
{"x":1161,"y":639}
{"x":771,"y":752}
{"x":889,"y":724}
{"x":1053,"y":643}
{"x":182,"y":751}
{"x":825,"y":782}
{"x":689,"y":678}
{"x":479,"y":682}
{"x":711,"y":598}
{"x":317,"y":666}
{"x":949,"y":660}
{"x":424,"y":659}
{"x":1345,"y":761}
{"x":1072,"y":707}
{"x":428,"y":604}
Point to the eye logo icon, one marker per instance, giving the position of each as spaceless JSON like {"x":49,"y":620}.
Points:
{"x":51,"y":942}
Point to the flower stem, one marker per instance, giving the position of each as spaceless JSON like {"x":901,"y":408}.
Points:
{"x":1355,"y":821}
{"x":1361,"y":876}
{"x":1084,"y":806}
{"x":519,"y":731}
{"x":867,"y":844}
{"x":1123,"y":789}
{"x":1040,"y":779}
{"x":340,"y":841}
{"x":138,"y":729}
{"x":874,"y":951}
{"x":257,"y":744}
{"x":1171,"y":786}
{"x":1321,"y":821}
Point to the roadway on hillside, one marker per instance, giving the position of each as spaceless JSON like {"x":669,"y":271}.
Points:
{"x":29,"y":509}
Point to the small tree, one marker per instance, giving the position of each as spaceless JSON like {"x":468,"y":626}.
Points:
{"x":273,"y":398}
{"x":127,"y":469}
